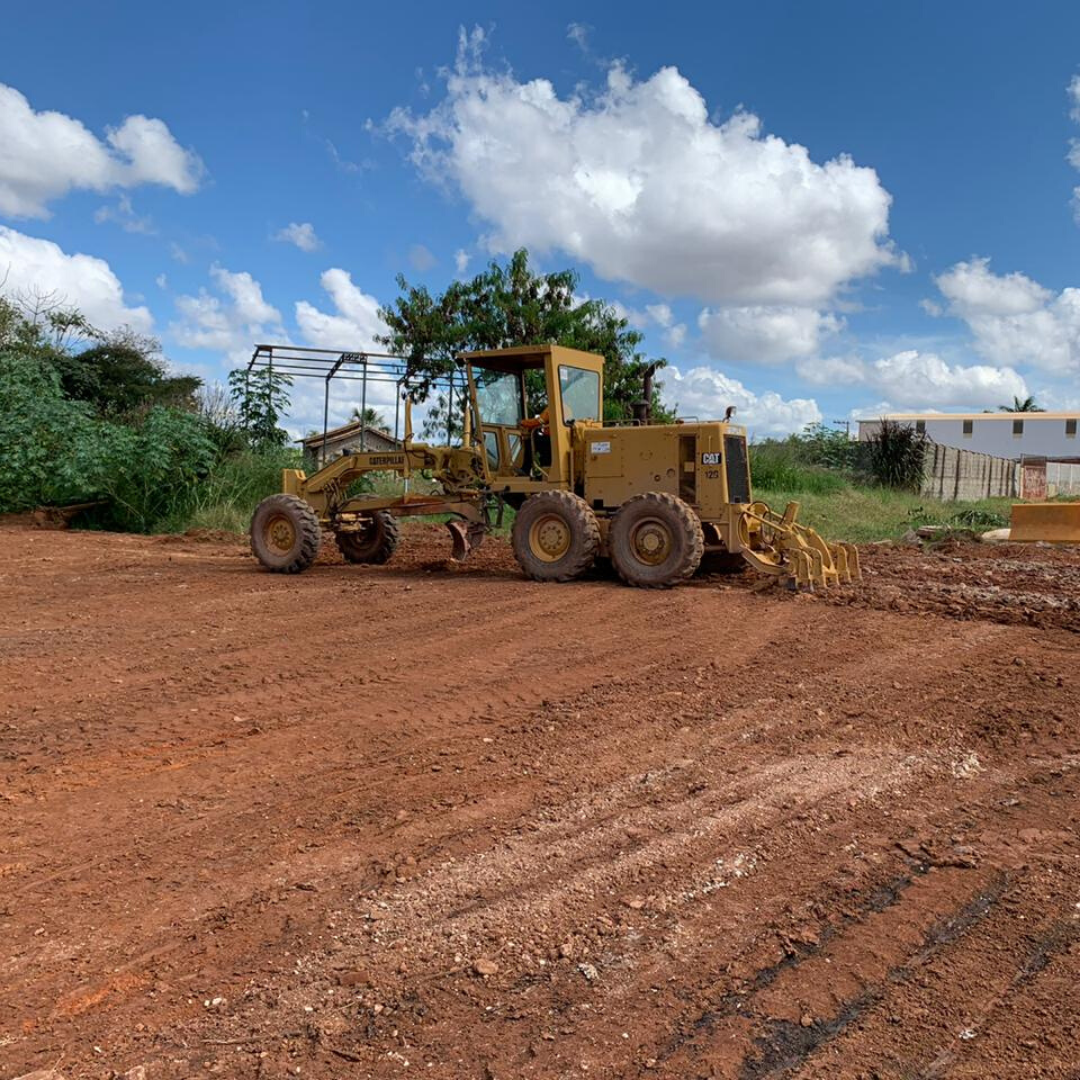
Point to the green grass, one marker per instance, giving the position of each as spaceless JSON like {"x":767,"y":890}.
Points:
{"x":864,"y":514}
{"x":830,"y":500}
{"x":777,"y":466}
{"x":227,"y":498}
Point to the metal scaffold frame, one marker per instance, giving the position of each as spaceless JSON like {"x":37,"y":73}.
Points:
{"x":303,"y":362}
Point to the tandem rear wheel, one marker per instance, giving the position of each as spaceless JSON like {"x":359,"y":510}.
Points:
{"x":656,"y":541}
{"x":556,"y":536}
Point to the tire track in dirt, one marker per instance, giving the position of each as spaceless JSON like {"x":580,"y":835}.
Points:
{"x":700,"y":794}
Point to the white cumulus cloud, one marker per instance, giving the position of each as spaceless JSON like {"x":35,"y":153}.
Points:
{"x":764,"y":334}
{"x":354,"y":323}
{"x":302,"y":234}
{"x":832,"y":371}
{"x":352,"y":327}
{"x":926,"y":381}
{"x":706,"y":393}
{"x":639,"y":182}
{"x":47,"y":154}
{"x":31,"y":265}
{"x":1013,"y":319}
{"x":232,"y":322}
{"x":917,"y":380}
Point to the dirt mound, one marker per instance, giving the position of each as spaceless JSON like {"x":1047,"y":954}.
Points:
{"x":437,"y":818}
{"x":1008,"y":583}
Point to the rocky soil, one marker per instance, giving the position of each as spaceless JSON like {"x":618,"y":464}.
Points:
{"x":441,"y":821}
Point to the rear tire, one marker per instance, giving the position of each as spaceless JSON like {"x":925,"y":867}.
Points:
{"x":556,"y":536}
{"x":375,"y":544}
{"x":285,"y":534}
{"x":656,"y":541}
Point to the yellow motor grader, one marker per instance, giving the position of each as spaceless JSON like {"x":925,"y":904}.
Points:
{"x":653,"y":498}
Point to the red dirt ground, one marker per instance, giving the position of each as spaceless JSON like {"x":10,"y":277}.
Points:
{"x":441,"y":821}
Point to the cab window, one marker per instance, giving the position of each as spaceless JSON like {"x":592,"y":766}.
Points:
{"x":580,"y":391}
{"x":498,"y":397}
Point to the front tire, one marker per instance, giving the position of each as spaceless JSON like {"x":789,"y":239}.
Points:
{"x":656,"y":541}
{"x":556,"y":536}
{"x":285,"y":534}
{"x":374,"y":544}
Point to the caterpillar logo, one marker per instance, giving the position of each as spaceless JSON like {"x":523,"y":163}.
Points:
{"x":386,"y":459}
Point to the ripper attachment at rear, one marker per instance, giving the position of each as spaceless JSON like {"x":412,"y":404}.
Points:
{"x":652,"y":498}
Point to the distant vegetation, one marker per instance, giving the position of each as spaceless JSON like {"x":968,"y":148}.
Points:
{"x":87,"y":416}
{"x":93,"y":417}
{"x":860,"y":491}
{"x":90,"y":417}
{"x":821,"y":460}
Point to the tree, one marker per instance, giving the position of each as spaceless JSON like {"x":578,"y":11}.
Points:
{"x":125,"y":371}
{"x":261,"y":396}
{"x":509,"y":305}
{"x":1021,"y":405}
{"x":372,"y":418}
{"x":116,"y":372}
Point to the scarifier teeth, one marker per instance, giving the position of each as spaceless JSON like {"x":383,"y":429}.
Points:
{"x":797,"y":554}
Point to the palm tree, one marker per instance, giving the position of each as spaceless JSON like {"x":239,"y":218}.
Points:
{"x":1018,"y":405}
{"x":372,"y":418}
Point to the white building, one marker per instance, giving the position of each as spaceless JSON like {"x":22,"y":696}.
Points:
{"x":1002,"y":434}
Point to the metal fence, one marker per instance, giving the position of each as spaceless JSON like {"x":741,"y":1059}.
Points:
{"x":1062,"y":478}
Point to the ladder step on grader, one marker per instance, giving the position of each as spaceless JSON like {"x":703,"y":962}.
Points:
{"x":653,"y":498}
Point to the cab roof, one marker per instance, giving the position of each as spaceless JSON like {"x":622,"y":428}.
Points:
{"x":522,"y":357}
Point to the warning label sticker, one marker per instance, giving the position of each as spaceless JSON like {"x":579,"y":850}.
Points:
{"x":601,"y":447}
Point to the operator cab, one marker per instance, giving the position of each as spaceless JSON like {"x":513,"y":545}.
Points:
{"x":524,"y":402}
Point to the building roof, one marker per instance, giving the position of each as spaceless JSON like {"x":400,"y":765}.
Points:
{"x":972,"y":416}
{"x":351,"y":428}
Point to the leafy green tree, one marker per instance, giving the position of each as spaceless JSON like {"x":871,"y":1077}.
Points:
{"x":261,"y":396}
{"x":87,"y":417}
{"x":123,"y":372}
{"x":116,"y":372}
{"x":510,"y":305}
{"x":826,"y":446}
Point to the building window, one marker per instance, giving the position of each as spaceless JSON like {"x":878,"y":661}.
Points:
{"x":969,"y":427}
{"x":920,"y":427}
{"x":1070,"y":429}
{"x":1018,"y":429}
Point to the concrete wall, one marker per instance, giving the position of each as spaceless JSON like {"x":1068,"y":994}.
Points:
{"x":992,"y":433}
{"x":963,"y":476}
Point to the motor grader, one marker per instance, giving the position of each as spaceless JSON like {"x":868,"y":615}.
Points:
{"x":653,"y":498}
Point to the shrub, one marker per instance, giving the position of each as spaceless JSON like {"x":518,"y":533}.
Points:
{"x":154,"y":468}
{"x":51,"y":449}
{"x":897,"y":456}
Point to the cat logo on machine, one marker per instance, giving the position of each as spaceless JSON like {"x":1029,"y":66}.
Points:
{"x":386,"y":459}
{"x":710,"y":457}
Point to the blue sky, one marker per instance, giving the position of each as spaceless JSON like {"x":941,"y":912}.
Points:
{"x":812,"y":210}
